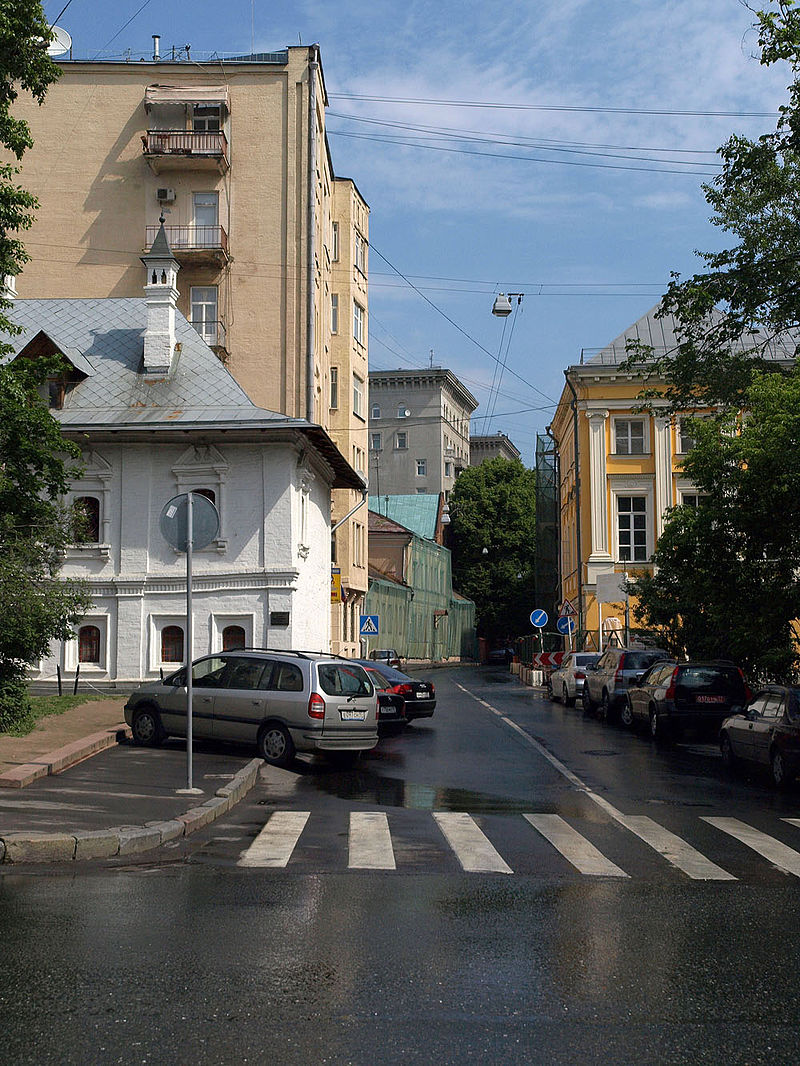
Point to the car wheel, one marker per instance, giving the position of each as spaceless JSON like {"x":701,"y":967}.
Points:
{"x":275,"y":746}
{"x":550,"y":693}
{"x":565,"y":697}
{"x":626,"y":713}
{"x":605,"y":707}
{"x":781,"y":777}
{"x":588,"y":702}
{"x":146,"y":727}
{"x":658,"y":729}
{"x":729,"y":760}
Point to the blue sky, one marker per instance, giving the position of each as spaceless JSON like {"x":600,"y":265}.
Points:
{"x":554,"y":149}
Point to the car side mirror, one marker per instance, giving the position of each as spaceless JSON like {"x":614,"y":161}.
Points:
{"x":637,"y":678}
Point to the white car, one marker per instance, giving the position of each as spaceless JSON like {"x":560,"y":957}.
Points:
{"x":566,"y":683}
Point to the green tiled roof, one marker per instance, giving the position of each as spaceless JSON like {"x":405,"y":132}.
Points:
{"x":416,"y":512}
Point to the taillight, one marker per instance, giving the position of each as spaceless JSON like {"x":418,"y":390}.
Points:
{"x":403,"y":690}
{"x":748,"y":695}
{"x":316,"y":706}
{"x":619,"y":676}
{"x":670,"y":693}
{"x":433,"y":689}
{"x":579,"y":676}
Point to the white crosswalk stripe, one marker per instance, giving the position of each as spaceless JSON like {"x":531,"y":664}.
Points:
{"x":576,"y":849}
{"x":370,"y":845}
{"x":370,"y":842}
{"x":277,"y":840}
{"x":774,"y":851}
{"x":471,"y":846}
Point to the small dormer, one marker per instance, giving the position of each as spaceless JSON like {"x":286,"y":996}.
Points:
{"x":76,"y":367}
{"x":161,"y":294}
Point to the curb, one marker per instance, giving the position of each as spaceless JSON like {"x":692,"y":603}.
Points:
{"x":62,"y":758}
{"x":126,"y":839}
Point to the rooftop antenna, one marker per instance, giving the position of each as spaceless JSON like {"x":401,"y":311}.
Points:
{"x":60,"y":42}
{"x":431,"y":358}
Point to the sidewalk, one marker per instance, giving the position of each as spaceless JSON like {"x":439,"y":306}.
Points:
{"x":126,"y":800}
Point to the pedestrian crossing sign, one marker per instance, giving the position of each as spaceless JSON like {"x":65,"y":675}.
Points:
{"x":368,"y":626}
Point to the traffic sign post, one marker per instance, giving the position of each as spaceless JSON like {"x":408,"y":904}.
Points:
{"x":539,"y":621}
{"x":566,"y":626}
{"x":369,"y":626}
{"x":187,"y":522}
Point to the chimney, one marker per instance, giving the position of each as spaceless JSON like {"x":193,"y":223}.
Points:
{"x":161,"y":294}
{"x":156,"y":48}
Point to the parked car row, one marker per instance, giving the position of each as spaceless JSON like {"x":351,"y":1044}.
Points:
{"x":281,"y":702}
{"x":646,"y":688}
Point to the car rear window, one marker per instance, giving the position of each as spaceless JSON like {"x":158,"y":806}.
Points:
{"x":716,"y":680}
{"x":640,"y":660}
{"x":584,"y":660}
{"x":338,"y":679}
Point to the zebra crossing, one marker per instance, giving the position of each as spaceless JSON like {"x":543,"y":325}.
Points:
{"x":370,"y":845}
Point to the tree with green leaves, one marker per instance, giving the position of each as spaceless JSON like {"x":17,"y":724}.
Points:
{"x":724,"y":582}
{"x":36,"y":464}
{"x":493,"y":540}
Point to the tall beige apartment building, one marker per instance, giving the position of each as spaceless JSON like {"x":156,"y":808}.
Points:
{"x":272,"y":245}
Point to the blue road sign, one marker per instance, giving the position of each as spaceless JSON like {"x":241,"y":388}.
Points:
{"x":539,"y":618}
{"x":368,"y":625}
{"x":565,"y":625}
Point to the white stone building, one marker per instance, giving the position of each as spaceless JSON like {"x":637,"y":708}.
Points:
{"x":157,"y":414}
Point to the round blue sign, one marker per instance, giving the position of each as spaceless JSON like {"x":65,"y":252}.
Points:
{"x":565,"y":625}
{"x":539,"y":618}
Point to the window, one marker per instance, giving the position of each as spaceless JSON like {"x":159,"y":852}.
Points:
{"x":629,"y":436}
{"x":335,"y":241}
{"x":287,"y":677}
{"x":206,"y":219}
{"x":400,"y":441}
{"x":172,"y":644}
{"x":632,"y":528}
{"x":206,"y":118}
{"x":358,"y":544}
{"x":358,"y":322}
{"x":358,"y":396}
{"x":402,"y":411}
{"x":360,"y":253}
{"x":89,"y":645}
{"x":693,"y":499}
{"x":88,"y":508}
{"x":448,"y":469}
{"x":376,"y":410}
{"x":376,"y":442}
{"x":56,"y":391}
{"x":334,"y":312}
{"x":422,"y":467}
{"x":208,"y":493}
{"x":334,"y":387}
{"x":204,"y":311}
{"x":233,"y":637}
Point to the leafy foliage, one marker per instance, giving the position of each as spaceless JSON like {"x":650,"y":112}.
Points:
{"x":493,"y":506}
{"x":726,"y":583}
{"x":35,"y":471}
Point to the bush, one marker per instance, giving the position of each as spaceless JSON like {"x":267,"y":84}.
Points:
{"x":15,"y":704}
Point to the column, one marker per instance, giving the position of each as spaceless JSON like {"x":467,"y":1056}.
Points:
{"x":662,"y":453}
{"x":600,"y":560}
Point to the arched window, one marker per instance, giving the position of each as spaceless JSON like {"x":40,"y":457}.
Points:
{"x":208,"y":493}
{"x":376,"y":410}
{"x":89,"y":509}
{"x":89,"y":644}
{"x":232,"y":638}
{"x":172,"y":644}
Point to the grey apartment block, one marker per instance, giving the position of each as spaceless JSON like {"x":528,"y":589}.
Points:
{"x":489,"y":447}
{"x":418,"y":430}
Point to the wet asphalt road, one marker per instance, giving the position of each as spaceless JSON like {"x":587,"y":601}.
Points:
{"x":188,"y":957}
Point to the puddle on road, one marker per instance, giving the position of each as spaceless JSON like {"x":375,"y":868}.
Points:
{"x":389,"y":792}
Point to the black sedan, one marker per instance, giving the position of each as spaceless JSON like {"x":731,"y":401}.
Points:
{"x":767,"y":733}
{"x":419,"y":696}
{"x":391,"y":706}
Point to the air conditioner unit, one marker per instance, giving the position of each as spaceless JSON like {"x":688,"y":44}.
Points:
{"x":166,"y":196}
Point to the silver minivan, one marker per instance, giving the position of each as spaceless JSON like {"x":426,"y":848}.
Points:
{"x":281,"y":702}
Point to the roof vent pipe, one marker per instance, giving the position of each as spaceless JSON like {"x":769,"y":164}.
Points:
{"x":156,"y":47}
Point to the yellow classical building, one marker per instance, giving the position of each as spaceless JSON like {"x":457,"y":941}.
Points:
{"x":620,"y":471}
{"x":272,"y":244}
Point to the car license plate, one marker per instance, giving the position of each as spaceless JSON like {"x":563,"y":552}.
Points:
{"x":710,"y":699}
{"x":422,"y":695}
{"x":352,"y":716}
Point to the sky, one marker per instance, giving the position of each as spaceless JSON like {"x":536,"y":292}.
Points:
{"x":554,"y":149}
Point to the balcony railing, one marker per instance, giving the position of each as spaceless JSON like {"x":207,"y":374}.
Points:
{"x":213,"y":333}
{"x":194,"y":242}
{"x":185,"y":144}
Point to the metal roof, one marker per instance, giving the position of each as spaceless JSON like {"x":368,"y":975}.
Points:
{"x":104,"y":338}
{"x":418,"y":512}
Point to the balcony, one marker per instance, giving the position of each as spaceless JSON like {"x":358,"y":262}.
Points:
{"x":195,"y":245}
{"x":185,"y":150}
{"x":214,"y":334}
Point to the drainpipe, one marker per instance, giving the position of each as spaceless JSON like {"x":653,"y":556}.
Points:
{"x":313,"y":67}
{"x":577,"y":498}
{"x":352,"y":511}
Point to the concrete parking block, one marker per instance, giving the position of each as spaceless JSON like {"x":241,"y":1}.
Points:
{"x":39,"y":847}
{"x":96,"y":844}
{"x":133,"y":839}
